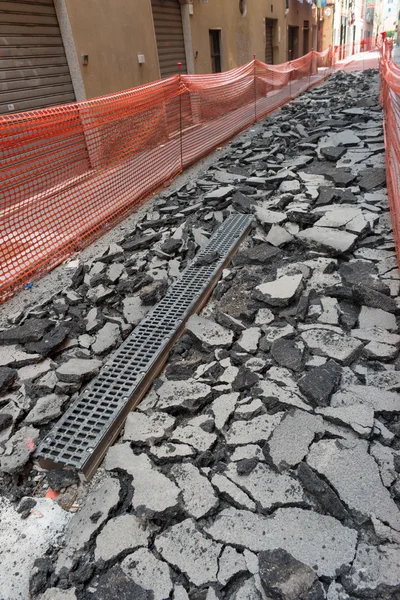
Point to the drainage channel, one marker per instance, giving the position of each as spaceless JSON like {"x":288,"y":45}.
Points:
{"x":82,"y":436}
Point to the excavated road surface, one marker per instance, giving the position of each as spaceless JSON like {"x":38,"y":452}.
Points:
{"x":264,"y":463}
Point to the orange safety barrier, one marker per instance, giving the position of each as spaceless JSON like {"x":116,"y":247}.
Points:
{"x":346,"y":50}
{"x":356,"y":56}
{"x":70,"y":173}
{"x":390,"y":98}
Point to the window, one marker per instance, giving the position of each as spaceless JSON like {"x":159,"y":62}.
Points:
{"x":243,"y":7}
{"x":215,"y":46}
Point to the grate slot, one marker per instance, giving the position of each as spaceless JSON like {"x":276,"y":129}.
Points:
{"x":83,"y":434}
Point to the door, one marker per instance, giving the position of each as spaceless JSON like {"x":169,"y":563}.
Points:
{"x":269,"y":48}
{"x":169,"y":36}
{"x":343,"y":40}
{"x":215,"y":47}
{"x":293,"y":42}
{"x":306,"y":37}
{"x":34,"y":71}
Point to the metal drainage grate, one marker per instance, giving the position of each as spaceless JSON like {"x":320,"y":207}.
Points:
{"x":82,"y":436}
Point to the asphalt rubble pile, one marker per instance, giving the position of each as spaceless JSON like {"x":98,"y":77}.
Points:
{"x":264,"y":463}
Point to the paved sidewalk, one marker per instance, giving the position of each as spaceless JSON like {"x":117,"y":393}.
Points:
{"x":359,"y":62}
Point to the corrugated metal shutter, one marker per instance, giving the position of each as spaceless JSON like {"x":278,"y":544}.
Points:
{"x":34,"y":71}
{"x":169,"y":36}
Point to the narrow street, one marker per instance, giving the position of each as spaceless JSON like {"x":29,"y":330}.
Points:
{"x":264,"y":462}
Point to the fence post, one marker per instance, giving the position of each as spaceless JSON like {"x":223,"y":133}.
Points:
{"x":255,"y":88}
{"x":180,"y":113}
{"x":311,"y":66}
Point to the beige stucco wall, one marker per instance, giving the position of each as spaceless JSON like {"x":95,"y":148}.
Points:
{"x":113,"y":33}
{"x":298,"y":13}
{"x":241,"y":36}
{"x":326,"y":27}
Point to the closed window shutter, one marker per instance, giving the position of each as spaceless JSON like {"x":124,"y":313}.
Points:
{"x":34,"y":71}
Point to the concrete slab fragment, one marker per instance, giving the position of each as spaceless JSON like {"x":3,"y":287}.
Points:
{"x":291,"y":439}
{"x":267,"y":488}
{"x":342,"y":348}
{"x":208,"y":332}
{"x":319,"y":541}
{"x":186,"y":548}
{"x":360,"y":417}
{"x":257,"y":430}
{"x":194,"y":436}
{"x":157,"y":500}
{"x":231,"y":563}
{"x":334,"y":239}
{"x":223,"y":407}
{"x":22,"y":541}
{"x":197,"y":492}
{"x":122,"y":533}
{"x":280,"y":292}
{"x":149,"y":573}
{"x":355,"y":476}
{"x":182,"y":395}
{"x":147,"y":429}
{"x":232,"y":493}
{"x":378,"y":399}
{"x":376,"y":570}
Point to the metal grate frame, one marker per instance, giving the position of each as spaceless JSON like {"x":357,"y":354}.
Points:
{"x":82,"y":436}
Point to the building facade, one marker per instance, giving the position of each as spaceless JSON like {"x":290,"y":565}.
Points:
{"x":369,"y":18}
{"x":390,"y":17}
{"x":348,"y":24}
{"x":56,"y":51}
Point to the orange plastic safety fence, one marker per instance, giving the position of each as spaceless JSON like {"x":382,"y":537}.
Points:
{"x":69,"y":173}
{"x":390,"y":97}
{"x":356,"y":56}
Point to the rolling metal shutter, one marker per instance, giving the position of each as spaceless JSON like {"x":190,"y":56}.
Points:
{"x":269,"y":51}
{"x":169,"y":36}
{"x":34,"y":71}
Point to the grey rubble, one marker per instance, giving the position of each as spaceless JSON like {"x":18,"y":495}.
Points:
{"x":269,"y":444}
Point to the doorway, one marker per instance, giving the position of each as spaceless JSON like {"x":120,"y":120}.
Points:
{"x":306,"y":37}
{"x":169,"y":36}
{"x":293,"y":42}
{"x":215,"y":47}
{"x":270,"y":27}
{"x":343,"y":32}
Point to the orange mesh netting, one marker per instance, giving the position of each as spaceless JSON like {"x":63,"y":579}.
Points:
{"x":390,"y":97}
{"x":356,"y":56}
{"x":69,"y":173}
